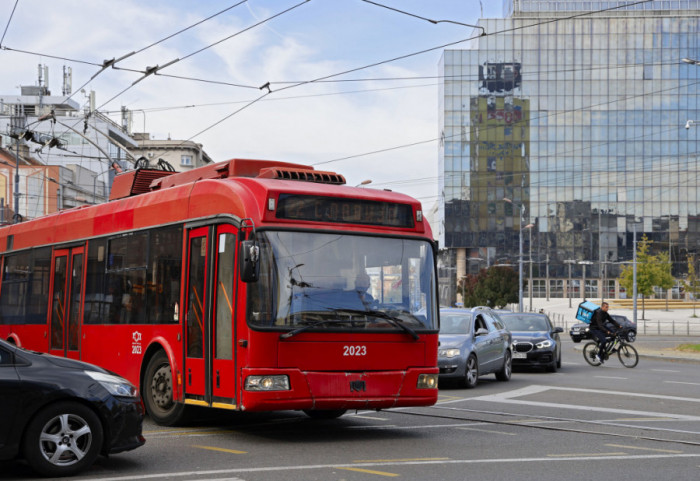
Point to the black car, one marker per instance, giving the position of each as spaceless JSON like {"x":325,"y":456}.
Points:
{"x":536,"y":341}
{"x":59,"y":414}
{"x":473,"y":342}
{"x":580,"y":331}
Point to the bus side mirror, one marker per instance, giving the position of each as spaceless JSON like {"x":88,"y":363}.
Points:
{"x":249,"y":261}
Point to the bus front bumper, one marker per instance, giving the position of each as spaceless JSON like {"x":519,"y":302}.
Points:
{"x":341,"y":390}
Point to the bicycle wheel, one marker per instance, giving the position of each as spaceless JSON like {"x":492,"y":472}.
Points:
{"x":590,"y":354}
{"x":628,"y":355}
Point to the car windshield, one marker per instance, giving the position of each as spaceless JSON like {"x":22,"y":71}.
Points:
{"x":326,"y":281}
{"x":525,"y":323}
{"x":455,"y":323}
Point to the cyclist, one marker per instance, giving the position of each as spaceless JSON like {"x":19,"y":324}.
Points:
{"x":599,"y":329}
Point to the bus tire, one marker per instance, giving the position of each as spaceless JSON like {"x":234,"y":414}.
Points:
{"x":157,"y":392}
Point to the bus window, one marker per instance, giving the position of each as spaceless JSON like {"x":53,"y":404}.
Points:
{"x":25,"y":287}
{"x":224,"y":296}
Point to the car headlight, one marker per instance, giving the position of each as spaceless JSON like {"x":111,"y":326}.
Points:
{"x":448,"y":352}
{"x":544,"y":344}
{"x":115,"y":385}
{"x":267,"y":383}
{"x":427,"y":381}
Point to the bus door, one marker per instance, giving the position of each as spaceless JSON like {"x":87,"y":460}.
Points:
{"x":223,"y":363}
{"x":195,"y":310}
{"x":209,"y":306}
{"x":66,"y":302}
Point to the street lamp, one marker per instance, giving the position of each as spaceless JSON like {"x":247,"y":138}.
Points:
{"x":584,"y":264}
{"x":568,"y":286}
{"x":520,"y":250}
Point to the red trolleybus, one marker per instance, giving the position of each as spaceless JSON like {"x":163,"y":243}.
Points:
{"x":247,"y":285}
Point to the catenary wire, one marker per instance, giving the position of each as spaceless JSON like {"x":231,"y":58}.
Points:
{"x":8,"y":22}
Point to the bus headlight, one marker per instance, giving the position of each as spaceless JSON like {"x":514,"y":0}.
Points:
{"x":267,"y":383}
{"x":427,"y":381}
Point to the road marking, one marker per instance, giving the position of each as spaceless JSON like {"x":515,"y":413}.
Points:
{"x":369,"y":417}
{"x":643,"y":419}
{"x":644,"y":449}
{"x":223,"y":450}
{"x":282,"y":469}
{"x":612,"y":377}
{"x":428,"y":426}
{"x":487,"y":431}
{"x":404,"y":460}
{"x":443,"y":399}
{"x":585,"y":455}
{"x":508,"y":398}
{"x":369,"y":471}
{"x":680,"y":382}
{"x":663,"y":370}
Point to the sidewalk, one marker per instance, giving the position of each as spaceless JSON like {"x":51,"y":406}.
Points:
{"x":648,"y":345}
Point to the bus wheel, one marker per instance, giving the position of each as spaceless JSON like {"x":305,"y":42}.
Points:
{"x":157,"y":392}
{"x":324,"y":413}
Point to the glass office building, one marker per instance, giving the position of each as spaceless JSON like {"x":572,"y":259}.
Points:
{"x":574,"y":133}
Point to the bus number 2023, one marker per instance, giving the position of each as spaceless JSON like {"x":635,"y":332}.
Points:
{"x":354,"y":350}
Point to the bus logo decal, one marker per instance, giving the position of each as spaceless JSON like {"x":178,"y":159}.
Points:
{"x":136,"y":345}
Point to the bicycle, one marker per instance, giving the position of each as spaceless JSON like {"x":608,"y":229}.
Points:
{"x":625,"y":352}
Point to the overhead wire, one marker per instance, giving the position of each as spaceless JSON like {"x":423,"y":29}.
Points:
{"x":495,"y":127}
{"x":8,"y":22}
{"x":420,"y":52}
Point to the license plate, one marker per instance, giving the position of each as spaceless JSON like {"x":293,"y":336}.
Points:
{"x":519,"y":355}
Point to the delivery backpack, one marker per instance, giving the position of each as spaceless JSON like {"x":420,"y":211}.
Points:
{"x":585,"y":311}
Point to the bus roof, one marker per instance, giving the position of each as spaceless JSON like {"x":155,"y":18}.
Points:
{"x":241,"y":188}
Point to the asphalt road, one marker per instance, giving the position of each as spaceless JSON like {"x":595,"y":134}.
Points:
{"x":579,"y":423}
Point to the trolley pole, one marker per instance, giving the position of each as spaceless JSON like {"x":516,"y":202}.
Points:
{"x":16,"y":192}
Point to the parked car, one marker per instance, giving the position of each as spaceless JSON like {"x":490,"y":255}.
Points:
{"x":473,"y":342}
{"x":536,"y":341}
{"x":59,"y":414}
{"x":580,"y":331}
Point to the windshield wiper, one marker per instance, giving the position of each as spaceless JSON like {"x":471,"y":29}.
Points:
{"x":395,"y":321}
{"x":287,"y":335}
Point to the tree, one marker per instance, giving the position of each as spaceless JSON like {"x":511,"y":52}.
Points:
{"x":651,"y":271}
{"x":665,"y":279}
{"x":493,"y":287}
{"x":692,"y":283}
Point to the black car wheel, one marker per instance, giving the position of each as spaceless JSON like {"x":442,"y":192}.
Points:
{"x":158,"y":392}
{"x":63,"y":439}
{"x":507,"y":369}
{"x":631,"y":336}
{"x":559,"y":358}
{"x":471,"y":376}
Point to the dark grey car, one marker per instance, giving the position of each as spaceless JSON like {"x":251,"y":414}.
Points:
{"x":473,"y":342}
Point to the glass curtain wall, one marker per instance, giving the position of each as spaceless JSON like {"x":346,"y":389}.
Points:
{"x":581,"y":125}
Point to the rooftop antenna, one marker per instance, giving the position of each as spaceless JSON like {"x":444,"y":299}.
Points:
{"x":67,"y":80}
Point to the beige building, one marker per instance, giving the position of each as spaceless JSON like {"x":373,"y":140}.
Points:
{"x":183,"y":155}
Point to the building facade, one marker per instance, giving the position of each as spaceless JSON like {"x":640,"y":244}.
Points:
{"x":182,"y":155}
{"x":570,"y":136}
{"x":55,"y":130}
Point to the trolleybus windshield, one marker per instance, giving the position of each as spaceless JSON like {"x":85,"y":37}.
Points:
{"x":336,"y":282}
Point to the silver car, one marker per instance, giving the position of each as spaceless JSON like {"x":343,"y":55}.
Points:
{"x":473,"y":342}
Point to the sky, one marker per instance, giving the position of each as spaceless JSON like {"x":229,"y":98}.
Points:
{"x":337,"y":100}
